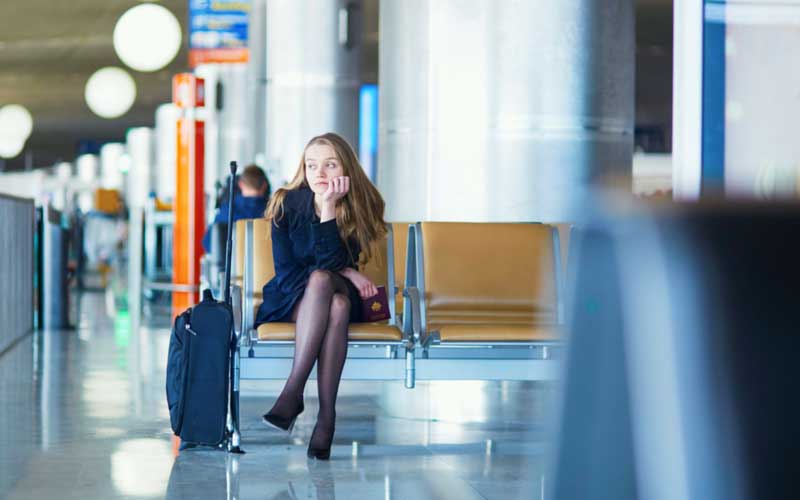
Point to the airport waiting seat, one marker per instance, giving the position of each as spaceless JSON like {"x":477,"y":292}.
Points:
{"x":377,"y":350}
{"x":486,"y":283}
{"x":263,"y":270}
{"x":474,"y":325}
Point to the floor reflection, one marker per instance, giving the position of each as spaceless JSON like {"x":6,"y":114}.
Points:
{"x":18,"y":425}
{"x":285,"y":474}
{"x":82,"y":415}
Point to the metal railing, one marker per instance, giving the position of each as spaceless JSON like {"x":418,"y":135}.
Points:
{"x":17,"y":225}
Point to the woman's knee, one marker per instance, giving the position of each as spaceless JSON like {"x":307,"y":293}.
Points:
{"x":321,"y":281}
{"x":340,"y":307}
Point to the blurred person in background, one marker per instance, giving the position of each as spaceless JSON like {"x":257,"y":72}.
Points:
{"x":249,"y":203}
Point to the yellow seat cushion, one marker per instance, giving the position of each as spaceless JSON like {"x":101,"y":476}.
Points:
{"x":357,"y":331}
{"x":498,"y":333}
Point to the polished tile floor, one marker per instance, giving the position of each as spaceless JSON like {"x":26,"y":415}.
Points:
{"x":83,"y":415}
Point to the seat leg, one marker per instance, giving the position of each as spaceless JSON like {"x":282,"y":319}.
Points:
{"x":410,"y":369}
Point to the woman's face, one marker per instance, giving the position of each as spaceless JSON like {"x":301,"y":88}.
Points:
{"x":321,"y":166}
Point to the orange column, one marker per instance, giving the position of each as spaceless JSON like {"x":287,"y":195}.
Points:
{"x":188,"y":94}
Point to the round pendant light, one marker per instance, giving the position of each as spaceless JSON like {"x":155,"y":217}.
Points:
{"x":147,"y":37}
{"x":110,"y":92}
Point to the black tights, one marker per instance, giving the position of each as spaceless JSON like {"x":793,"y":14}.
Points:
{"x":322,"y":316}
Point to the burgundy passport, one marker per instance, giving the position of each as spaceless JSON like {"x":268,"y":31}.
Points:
{"x":375,"y":308}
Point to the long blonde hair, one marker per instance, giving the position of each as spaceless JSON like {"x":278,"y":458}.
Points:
{"x":359,"y":214}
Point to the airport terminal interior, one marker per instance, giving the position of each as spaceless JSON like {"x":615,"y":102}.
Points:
{"x":561,"y":238}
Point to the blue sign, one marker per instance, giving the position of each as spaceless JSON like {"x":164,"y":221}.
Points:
{"x":368,"y":129}
{"x":218,"y":31}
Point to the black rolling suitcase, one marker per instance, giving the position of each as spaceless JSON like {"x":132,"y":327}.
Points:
{"x":199,"y":366}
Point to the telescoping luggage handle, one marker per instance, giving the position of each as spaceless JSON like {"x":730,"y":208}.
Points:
{"x":229,"y":240}
{"x":234,"y":438}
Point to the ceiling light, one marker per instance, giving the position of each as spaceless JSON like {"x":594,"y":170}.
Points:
{"x":147,"y":37}
{"x":11,"y":147}
{"x":110,"y":92}
{"x":15,"y":121}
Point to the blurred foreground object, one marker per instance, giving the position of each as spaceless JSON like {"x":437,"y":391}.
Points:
{"x":680,"y":369}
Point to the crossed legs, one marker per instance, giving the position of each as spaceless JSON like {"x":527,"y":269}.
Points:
{"x":322,"y":316}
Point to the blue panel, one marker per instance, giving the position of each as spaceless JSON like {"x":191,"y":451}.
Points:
{"x":368,"y":129}
{"x":218,"y":24}
{"x":89,"y":146}
{"x":713,"y":138}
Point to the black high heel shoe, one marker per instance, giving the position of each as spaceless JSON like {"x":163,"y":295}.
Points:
{"x":282,"y":423}
{"x":319,"y":453}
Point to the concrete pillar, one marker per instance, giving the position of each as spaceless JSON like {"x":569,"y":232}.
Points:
{"x":312,"y":74}
{"x":228,"y":135}
{"x":111,"y":176}
{"x":503,"y":111}
{"x":257,"y":79}
{"x":166,"y":133}
{"x":139,"y":142}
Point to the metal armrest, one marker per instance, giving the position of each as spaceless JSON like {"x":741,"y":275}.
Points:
{"x":236,"y":304}
{"x":412,"y":330}
{"x":253,"y":335}
{"x":412,"y":319}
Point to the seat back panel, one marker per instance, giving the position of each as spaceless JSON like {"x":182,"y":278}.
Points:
{"x":475,"y":271}
{"x":264,"y":269}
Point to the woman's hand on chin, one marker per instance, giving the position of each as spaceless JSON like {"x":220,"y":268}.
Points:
{"x":338,"y":187}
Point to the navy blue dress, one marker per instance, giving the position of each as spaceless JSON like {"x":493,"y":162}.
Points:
{"x":300,"y":245}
